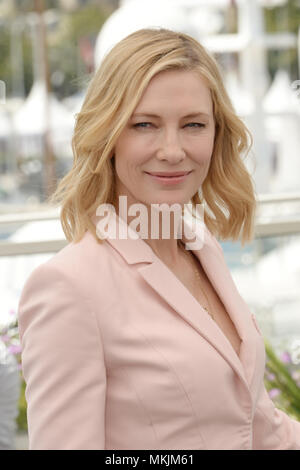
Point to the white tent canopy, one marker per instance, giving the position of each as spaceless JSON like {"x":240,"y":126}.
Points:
{"x":5,"y":125}
{"x":30,"y":120}
{"x":281,"y":98}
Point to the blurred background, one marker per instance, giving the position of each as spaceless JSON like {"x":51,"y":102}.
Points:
{"x":49,"y":49}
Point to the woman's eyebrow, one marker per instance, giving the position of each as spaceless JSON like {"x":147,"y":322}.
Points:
{"x":195,"y":114}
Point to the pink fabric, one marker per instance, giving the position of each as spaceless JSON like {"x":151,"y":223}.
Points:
{"x":117,"y":354}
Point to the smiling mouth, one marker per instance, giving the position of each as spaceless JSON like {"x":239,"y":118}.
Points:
{"x":169,"y":179}
{"x":169,"y":175}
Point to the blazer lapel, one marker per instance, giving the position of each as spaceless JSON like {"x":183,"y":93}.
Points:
{"x":134,"y":250}
{"x":214,"y":264}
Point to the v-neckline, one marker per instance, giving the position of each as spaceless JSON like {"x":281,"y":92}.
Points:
{"x":205,"y":312}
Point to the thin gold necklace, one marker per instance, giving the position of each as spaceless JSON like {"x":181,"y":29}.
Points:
{"x":189,"y":253}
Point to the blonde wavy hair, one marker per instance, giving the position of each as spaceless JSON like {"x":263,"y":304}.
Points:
{"x":111,"y":98}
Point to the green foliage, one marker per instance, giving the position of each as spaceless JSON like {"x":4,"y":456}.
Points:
{"x":22,"y":416}
{"x":63,"y":46}
{"x":25,"y":6}
{"x":6,"y":63}
{"x":85,"y":22}
{"x":283,"y":19}
{"x":280,"y":377}
{"x":64,"y":55}
{"x":9,"y":335}
{"x":5,"y":68}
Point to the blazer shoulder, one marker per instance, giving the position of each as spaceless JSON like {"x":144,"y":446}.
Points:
{"x":77,"y":258}
{"x":80,"y":265}
{"x":80,"y":272}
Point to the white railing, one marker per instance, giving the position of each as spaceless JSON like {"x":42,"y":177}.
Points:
{"x":269,"y":223}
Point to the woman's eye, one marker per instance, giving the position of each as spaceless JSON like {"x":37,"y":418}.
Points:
{"x":145,"y":125}
{"x":141,"y":124}
{"x":196,"y":124}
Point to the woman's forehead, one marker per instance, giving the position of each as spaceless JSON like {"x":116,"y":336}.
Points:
{"x":180,"y":90}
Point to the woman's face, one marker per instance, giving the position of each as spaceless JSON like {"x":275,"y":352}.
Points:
{"x":172,"y":129}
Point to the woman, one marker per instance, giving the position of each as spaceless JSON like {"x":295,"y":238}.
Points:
{"x":143,"y":342}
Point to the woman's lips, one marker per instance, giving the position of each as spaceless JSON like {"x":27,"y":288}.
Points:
{"x":169,"y":180}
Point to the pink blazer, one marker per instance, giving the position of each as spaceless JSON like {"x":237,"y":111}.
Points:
{"x":117,"y":354}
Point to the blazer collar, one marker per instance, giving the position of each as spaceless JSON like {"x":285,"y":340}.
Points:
{"x":134,"y":250}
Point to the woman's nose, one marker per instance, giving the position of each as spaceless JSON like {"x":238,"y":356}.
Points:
{"x":170,"y":147}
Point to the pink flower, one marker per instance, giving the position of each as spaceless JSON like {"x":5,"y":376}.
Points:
{"x":5,"y":338}
{"x":274,"y":392}
{"x":285,"y":357}
{"x":270,"y":376}
{"x":14,"y":349}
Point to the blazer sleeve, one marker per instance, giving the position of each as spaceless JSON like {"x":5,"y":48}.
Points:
{"x":272,"y":428}
{"x":62,"y":362}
